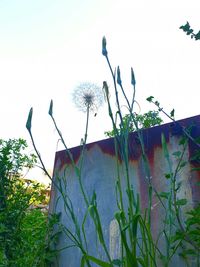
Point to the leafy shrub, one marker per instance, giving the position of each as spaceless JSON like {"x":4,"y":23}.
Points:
{"x":23,"y":231}
{"x":146,"y":120}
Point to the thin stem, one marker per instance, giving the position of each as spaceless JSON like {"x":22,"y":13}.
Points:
{"x":183,"y":128}
{"x":129,"y":106}
{"x":87,"y":121}
{"x":85,"y":138}
{"x":115,"y":86}
{"x":72,"y":161}
{"x":79,"y":173}
{"x":39,"y":156}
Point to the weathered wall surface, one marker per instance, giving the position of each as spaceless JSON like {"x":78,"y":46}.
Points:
{"x":99,"y":175}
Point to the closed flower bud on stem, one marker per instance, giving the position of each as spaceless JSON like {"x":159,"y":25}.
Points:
{"x":133,"y":82}
{"x":29,"y":120}
{"x":105,"y":88}
{"x":119,"y":81}
{"x":51,"y":108}
{"x":104,"y":50}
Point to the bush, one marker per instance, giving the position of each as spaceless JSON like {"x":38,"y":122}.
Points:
{"x":23,"y":231}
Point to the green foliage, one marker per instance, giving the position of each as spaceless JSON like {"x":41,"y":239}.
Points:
{"x":30,"y":246}
{"x":146,"y":120}
{"x":192,"y":230}
{"x":23,"y":230}
{"x":189,"y":31}
{"x":34,"y":246}
{"x":193,"y":224}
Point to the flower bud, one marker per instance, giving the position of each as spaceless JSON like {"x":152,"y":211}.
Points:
{"x":105,"y":87}
{"x":104,"y":50}
{"x":119,"y":81}
{"x":28,"y":123}
{"x":51,"y":108}
{"x":133,"y":82}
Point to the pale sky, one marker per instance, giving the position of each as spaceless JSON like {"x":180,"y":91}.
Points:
{"x":48,"y":47}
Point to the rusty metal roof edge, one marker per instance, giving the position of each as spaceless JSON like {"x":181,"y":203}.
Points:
{"x":162,"y":128}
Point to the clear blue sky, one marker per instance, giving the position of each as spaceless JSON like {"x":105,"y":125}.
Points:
{"x":47,"y":47}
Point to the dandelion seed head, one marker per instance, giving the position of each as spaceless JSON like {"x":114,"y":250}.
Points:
{"x":88,"y":95}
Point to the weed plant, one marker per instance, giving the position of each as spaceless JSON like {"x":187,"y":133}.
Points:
{"x":180,"y":234}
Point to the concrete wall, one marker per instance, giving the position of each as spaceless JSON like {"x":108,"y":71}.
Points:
{"x":99,"y":175}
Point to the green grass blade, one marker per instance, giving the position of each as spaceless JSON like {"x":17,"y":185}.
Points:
{"x":98,"y":261}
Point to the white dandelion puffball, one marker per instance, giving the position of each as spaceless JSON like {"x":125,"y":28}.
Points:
{"x":88,"y":96}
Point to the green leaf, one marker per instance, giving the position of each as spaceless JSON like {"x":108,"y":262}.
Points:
{"x":98,"y":261}
{"x":95,"y":215}
{"x":186,"y":27}
{"x":29,"y":120}
{"x":141,"y":261}
{"x":51,"y":108}
{"x":168,"y":175}
{"x":190,"y":252}
{"x":150,"y":98}
{"x":197,"y":140}
{"x":118,"y":215}
{"x":178,"y":236}
{"x":183,"y":141}
{"x":197,"y":36}
{"x":164,"y":146}
{"x":83,"y":261}
{"x":177,"y":154}
{"x":183,"y":164}
{"x":164,"y":195}
{"x":135,"y":224}
{"x":117,"y":262}
{"x":181,"y":202}
{"x":178,"y":186}
{"x":172,"y":113}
